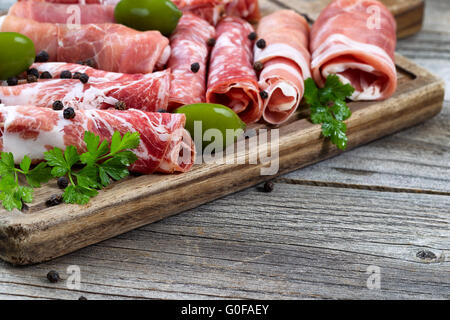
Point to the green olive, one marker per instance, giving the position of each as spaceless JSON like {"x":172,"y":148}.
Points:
{"x":144,"y":15}
{"x":17,"y":54}
{"x":213,"y":116}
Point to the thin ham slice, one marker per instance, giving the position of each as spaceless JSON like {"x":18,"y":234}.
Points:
{"x":356,"y":39}
{"x":286,"y":62}
{"x":151,"y":93}
{"x":112,"y":47}
{"x":165,"y":145}
{"x":189,"y":45}
{"x":232,"y":80}
{"x":62,"y":13}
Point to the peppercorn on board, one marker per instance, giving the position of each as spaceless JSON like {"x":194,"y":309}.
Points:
{"x":40,"y":233}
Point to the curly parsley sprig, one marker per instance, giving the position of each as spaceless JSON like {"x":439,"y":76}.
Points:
{"x":328,"y":107}
{"x":87,"y":172}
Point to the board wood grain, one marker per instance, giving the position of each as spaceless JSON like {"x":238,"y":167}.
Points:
{"x":42,"y":233}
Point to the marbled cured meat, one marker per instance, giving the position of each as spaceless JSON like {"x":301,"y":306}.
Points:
{"x":95,"y":75}
{"x":165,"y":145}
{"x":356,"y":39}
{"x":246,"y":9}
{"x":112,"y":47}
{"x":189,"y":46}
{"x":151,"y":93}
{"x":62,"y":13}
{"x":232,"y":80}
{"x":286,"y":62}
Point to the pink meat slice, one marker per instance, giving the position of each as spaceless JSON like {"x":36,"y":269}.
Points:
{"x":246,"y":9}
{"x":286,"y":62}
{"x":95,"y":75}
{"x":232,"y":80}
{"x":150,"y":93}
{"x":62,"y":13}
{"x":165,"y":145}
{"x":356,"y":39}
{"x":112,"y":47}
{"x":188,"y":46}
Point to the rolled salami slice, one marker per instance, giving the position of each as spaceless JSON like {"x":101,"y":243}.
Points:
{"x":356,"y":39}
{"x":165,"y":145}
{"x":189,"y":47}
{"x":232,"y":80}
{"x":151,"y":93}
{"x":286,"y":62}
{"x":112,"y":47}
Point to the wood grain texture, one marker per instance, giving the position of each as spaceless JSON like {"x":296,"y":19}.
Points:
{"x":184,"y":256}
{"x":260,"y":245}
{"x":409,"y":14}
{"x":44,"y":233}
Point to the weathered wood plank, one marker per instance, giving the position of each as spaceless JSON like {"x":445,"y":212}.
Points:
{"x":296,"y":242}
{"x":417,"y":158}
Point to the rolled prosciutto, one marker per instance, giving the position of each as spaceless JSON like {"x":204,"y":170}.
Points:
{"x":286,"y":61}
{"x":112,"y":47}
{"x":232,"y":80}
{"x":165,"y":145}
{"x":42,"y":11}
{"x":188,"y":61}
{"x":151,"y":93}
{"x":356,"y":39}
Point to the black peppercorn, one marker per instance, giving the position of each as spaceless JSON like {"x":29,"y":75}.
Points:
{"x":62,"y":182}
{"x":76,"y":75}
{"x":252,"y":36}
{"x":268,"y":186}
{"x":13,"y":81}
{"x":120,"y":105}
{"x":42,"y":57}
{"x":195,"y":67}
{"x":261,"y":43}
{"x":82,"y":298}
{"x":263,"y":94}
{"x":89,"y":63}
{"x":66,"y":75}
{"x":58,"y":105}
{"x":211,"y":42}
{"x":54,"y":200}
{"x":31,"y":78}
{"x":258,"y":66}
{"x":53,"y":276}
{"x":69,"y":113}
{"x":84,"y":78}
{"x":46,"y":75}
{"x":34,"y":72}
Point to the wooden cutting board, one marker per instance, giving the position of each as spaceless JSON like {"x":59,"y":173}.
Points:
{"x":40,"y":233}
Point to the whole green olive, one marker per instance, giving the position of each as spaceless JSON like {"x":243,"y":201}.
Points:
{"x":213,"y":116}
{"x":144,"y":15}
{"x":17,"y":54}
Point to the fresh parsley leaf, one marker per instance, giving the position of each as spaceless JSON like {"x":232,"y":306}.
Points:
{"x":25,"y":164}
{"x":78,"y":195}
{"x":40,"y":174}
{"x":6,"y":163}
{"x":95,"y":149}
{"x":328,"y":107}
{"x":128,"y":141}
{"x":115,"y":168}
{"x":71,"y":156}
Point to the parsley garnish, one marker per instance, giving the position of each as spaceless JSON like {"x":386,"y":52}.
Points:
{"x":87,"y":172}
{"x":328,"y":107}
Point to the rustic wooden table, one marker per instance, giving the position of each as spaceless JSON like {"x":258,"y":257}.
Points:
{"x":319,"y":234}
